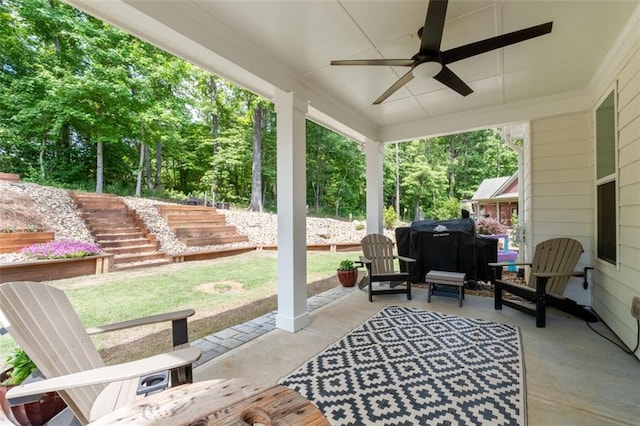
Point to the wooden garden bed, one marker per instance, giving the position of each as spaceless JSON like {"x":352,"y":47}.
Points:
{"x":45,"y":270}
{"x":13,"y":242}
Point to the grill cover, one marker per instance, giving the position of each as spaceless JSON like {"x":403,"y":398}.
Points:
{"x":447,"y":245}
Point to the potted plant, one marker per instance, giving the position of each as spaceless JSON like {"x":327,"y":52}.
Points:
{"x":347,"y":273}
{"x":19,"y":367}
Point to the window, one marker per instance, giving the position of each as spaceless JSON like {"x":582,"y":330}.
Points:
{"x":606,"y":187}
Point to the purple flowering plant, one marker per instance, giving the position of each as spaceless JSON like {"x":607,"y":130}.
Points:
{"x":61,"y":249}
{"x":490,"y":226}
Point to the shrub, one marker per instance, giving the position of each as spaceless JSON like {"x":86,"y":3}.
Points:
{"x":489,"y":226}
{"x":389,"y":217}
{"x":61,"y":250}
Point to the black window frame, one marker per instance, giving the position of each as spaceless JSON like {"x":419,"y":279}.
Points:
{"x":606,"y":178}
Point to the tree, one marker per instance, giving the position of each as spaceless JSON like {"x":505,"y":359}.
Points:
{"x":256,"y":169}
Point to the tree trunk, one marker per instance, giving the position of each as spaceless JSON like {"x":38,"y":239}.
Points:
{"x":213,"y":93}
{"x":256,"y":171}
{"x":158,"y":181}
{"x":140,"y":167}
{"x":397,"y":180}
{"x":99,"y":167}
{"x":147,"y":166}
{"x":43,"y":145}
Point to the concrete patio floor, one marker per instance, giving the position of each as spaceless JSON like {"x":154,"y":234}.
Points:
{"x":573,"y":376}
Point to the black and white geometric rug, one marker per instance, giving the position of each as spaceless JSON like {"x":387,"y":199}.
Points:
{"x":407,"y":366}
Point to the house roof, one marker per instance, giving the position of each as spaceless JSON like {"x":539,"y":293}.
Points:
{"x":271,"y":47}
{"x":494,"y":188}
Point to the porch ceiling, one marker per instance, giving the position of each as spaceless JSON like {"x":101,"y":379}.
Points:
{"x":267,"y":46}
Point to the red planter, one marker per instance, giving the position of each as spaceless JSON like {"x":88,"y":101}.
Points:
{"x":348,"y":278}
{"x":33,"y":413}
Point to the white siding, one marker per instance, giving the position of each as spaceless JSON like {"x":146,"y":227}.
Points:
{"x":562,"y":188}
{"x":615,"y":287}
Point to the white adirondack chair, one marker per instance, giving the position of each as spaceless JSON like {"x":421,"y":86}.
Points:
{"x":43,"y":322}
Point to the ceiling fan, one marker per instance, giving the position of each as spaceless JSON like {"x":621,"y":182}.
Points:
{"x":430,"y":61}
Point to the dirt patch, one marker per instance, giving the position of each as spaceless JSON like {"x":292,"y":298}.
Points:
{"x":18,"y":212}
{"x":159,"y":342}
{"x":221,"y":287}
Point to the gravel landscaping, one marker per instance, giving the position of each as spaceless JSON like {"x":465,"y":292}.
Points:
{"x":55,"y":209}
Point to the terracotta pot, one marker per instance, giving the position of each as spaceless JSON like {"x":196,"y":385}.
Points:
{"x":33,"y":413}
{"x":348,"y":278}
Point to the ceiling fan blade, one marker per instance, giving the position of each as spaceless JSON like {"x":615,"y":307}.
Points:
{"x":451,"y":80}
{"x":433,"y":26}
{"x":472,"y":49}
{"x":397,"y":85}
{"x":385,"y":62}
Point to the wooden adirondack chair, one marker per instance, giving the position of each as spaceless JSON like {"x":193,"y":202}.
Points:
{"x":379,"y":261}
{"x":553,"y":264}
{"x":43,"y":322}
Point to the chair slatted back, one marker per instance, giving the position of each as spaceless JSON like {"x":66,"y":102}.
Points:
{"x":43,"y":322}
{"x":379,"y":249}
{"x":555,"y":255}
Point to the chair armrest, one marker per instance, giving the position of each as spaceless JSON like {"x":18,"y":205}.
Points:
{"x":502,"y":264}
{"x":559,"y":274}
{"x":365,"y":260}
{"x":406,"y":259}
{"x":109,"y":374}
{"x":153,"y":319}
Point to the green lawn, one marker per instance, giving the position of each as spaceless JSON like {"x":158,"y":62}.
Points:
{"x":210,"y":287}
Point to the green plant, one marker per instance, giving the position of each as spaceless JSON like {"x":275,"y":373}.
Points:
{"x":359,"y":226}
{"x":389,"y":217}
{"x":346,"y":265}
{"x":514,"y":220}
{"x":8,"y":230}
{"x":20,"y":366}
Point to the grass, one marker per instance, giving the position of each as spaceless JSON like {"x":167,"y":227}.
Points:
{"x":223,"y":292}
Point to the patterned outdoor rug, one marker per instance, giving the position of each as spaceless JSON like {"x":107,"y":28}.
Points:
{"x":406,"y":366}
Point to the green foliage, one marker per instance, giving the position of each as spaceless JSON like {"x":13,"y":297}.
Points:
{"x":74,"y":89}
{"x":453,"y":166}
{"x":514,"y":220}
{"x":390,"y":217}
{"x":346,"y":265}
{"x":360,"y":226}
{"x":445,"y":209}
{"x":21,"y":366}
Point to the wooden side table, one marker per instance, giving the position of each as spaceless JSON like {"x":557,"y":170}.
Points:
{"x":449,"y":279}
{"x":219,"y":402}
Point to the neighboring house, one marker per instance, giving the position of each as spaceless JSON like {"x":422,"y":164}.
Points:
{"x":497,"y":198}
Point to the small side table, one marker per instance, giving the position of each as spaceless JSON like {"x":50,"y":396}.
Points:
{"x":448,"y":279}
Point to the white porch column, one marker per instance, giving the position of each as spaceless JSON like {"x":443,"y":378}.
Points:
{"x":292,"y":245}
{"x":374,"y":154}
